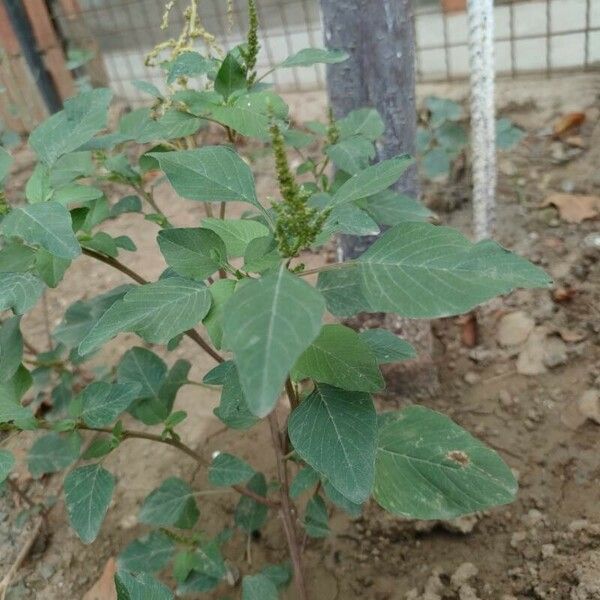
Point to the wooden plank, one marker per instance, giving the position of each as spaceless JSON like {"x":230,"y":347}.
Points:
{"x":8,"y":38}
{"x":49,"y":46}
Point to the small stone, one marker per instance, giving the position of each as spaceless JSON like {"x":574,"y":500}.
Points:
{"x":128,"y":522}
{"x":533,"y":518}
{"x":462,"y":575}
{"x":555,"y":352}
{"x":462,"y":525}
{"x":578,"y":525}
{"x":471,"y":377}
{"x":548,"y":550}
{"x":514,"y":328}
{"x":466,"y":592}
{"x":531,"y":358}
{"x":589,"y":405}
{"x":517,"y":537}
{"x":506,"y":400}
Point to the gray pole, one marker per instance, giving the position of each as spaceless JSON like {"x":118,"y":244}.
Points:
{"x":379,"y":37}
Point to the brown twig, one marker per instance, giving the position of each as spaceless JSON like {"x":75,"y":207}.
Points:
{"x":113,"y":262}
{"x":286,"y":511}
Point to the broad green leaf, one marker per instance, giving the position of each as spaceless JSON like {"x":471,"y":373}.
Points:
{"x":258,"y":587}
{"x":192,"y":252}
{"x":15,"y":257}
{"x":49,"y":268}
{"x":436,"y":163}
{"x":81,"y":316}
{"x":424,"y":139}
{"x":351,"y":154}
{"x":372,"y":180}
{"x":316,"y":519}
{"x":103,"y":243}
{"x":156,"y":311}
{"x":70,"y":167}
{"x":140,"y":586}
{"x":297,"y":138}
{"x":348,"y":219}
{"x":139,"y":125}
{"x":280,"y":574}
{"x":261,"y":255}
{"x":387,"y":346}
{"x":442,"y":109}
{"x":127,"y":204}
{"x":38,"y":188}
{"x":11,"y":392}
{"x":88,"y":492}
{"x":340,"y":358}
{"x":75,"y":193}
{"x":47,"y":225}
{"x":6,"y":161}
{"x":11,"y":348}
{"x":147,"y":554}
{"x":507,"y":134}
{"x":307,"y":478}
{"x":236,"y":234}
{"x":209,"y":174}
{"x":251,"y":114}
{"x":188,"y":64}
{"x":250,"y":515}
{"x":226,"y":470}
{"x":233,"y":409}
{"x":220,"y":292}
{"x":52,"y":453}
{"x":83,"y":117}
{"x":7,"y":462}
{"x":363,"y":121}
{"x":102,"y":403}
{"x":100,"y":447}
{"x":312,"y":56}
{"x":428,"y":467}
{"x":390,"y":208}
{"x":231,"y":77}
{"x":452,"y":137}
{"x":171,"y":504}
{"x":268,"y":323}
{"x":419,"y":270}
{"x":335,"y":432}
{"x":99,"y":211}
{"x":354,"y":509}
{"x":147,"y":88}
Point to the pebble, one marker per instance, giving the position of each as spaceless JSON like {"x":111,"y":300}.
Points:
{"x":462,"y":575}
{"x":589,"y":405}
{"x":514,"y":328}
{"x":505,"y":399}
{"x":555,"y":352}
{"x":518,"y":537}
{"x":533,"y":518}
{"x":548,"y":550}
{"x":471,"y":377}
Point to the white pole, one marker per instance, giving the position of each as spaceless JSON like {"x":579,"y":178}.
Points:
{"x":483,"y":121}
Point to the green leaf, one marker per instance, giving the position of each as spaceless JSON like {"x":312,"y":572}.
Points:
{"x":140,"y":586}
{"x":15,"y":257}
{"x":147,"y":554}
{"x":155,"y":311}
{"x":226,"y":470}
{"x":127,"y":204}
{"x":340,"y":358}
{"x":231,"y":76}
{"x":19,"y":291}
{"x":88,"y":492}
{"x":236,"y":234}
{"x":268,"y":323}
{"x":100,"y":447}
{"x":172,"y":503}
{"x":387,"y":346}
{"x":428,"y":467}
{"x":280,"y":574}
{"x":316,"y":519}
{"x":83,"y":117}
{"x":6,"y":161}
{"x":7,"y":462}
{"x":11,"y":392}
{"x":250,"y":515}
{"x":297,"y":138}
{"x":442,"y":109}
{"x":188,"y":64}
{"x":372,"y":180}
{"x":102,"y":403}
{"x":261,"y":255}
{"x":192,"y":252}
{"x":220,"y":292}
{"x":75,"y":193}
{"x":306,"y":479}
{"x":349,"y":219}
{"x":139,"y":125}
{"x":335,"y":432}
{"x":50,"y":268}
{"x":419,"y":270}
{"x":391,"y":208}
{"x":209,"y":174}
{"x":312,"y":56}
{"x":436,"y":163}
{"x":52,"y":453}
{"x":363,"y":121}
{"x":352,"y":508}
{"x":47,"y":225}
{"x":37,"y":188}
{"x":233,"y":409}
{"x":258,"y":587}
{"x":11,"y":348}
{"x":351,"y":154}
{"x":70,"y":167}
{"x":452,"y":136}
{"x":507,"y":134}
{"x":147,"y":88}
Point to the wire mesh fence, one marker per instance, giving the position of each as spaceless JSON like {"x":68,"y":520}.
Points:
{"x":531,"y":36}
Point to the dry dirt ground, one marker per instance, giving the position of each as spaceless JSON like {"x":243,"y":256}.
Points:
{"x":545,"y":424}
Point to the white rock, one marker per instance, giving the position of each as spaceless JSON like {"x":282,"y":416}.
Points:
{"x":514,"y":328}
{"x":589,"y":405}
{"x":462,"y":575}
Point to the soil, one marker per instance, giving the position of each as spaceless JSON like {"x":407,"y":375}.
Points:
{"x":546,"y":545}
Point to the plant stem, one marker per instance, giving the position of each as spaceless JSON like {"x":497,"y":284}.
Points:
{"x":330,"y":267}
{"x":113,"y":262}
{"x":286,"y":510}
